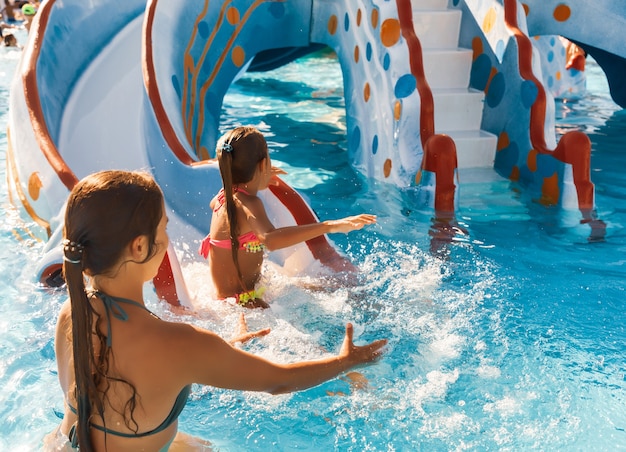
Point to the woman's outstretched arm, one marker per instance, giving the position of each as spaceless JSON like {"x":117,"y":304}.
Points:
{"x":212,"y":361}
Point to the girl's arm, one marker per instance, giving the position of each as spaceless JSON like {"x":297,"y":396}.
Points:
{"x":210,"y":360}
{"x":274,"y":238}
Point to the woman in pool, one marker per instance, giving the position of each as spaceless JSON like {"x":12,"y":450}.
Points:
{"x":240,"y":230}
{"x":125,"y":373}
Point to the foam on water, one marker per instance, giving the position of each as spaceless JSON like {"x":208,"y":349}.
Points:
{"x":509,"y":339}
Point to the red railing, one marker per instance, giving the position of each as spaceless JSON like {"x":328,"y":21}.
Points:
{"x":439,"y":150}
{"x":574,"y":148}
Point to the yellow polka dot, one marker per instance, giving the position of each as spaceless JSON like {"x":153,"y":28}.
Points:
{"x":34,"y":186}
{"x":558,"y":75}
{"x":238,"y":56}
{"x":418,"y":177}
{"x":356,"y":54}
{"x":366,"y":92}
{"x":390,"y":32}
{"x":526,"y":9}
{"x":332,"y":24}
{"x":232,"y":16}
{"x":550,"y":191}
{"x":562,"y":12}
{"x":358,"y":17}
{"x":477,"y":47}
{"x":387,"y":168}
{"x":374,"y":18}
{"x":489,"y":20}
{"x":503,"y":141}
{"x":397,"y":110}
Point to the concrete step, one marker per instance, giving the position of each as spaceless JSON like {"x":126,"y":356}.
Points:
{"x":437,"y":29}
{"x":447,"y":68}
{"x":475,"y":148}
{"x":429,"y":4}
{"x":458,"y":109}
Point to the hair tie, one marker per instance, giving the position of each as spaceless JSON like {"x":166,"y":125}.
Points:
{"x":72,"y":252}
{"x":227,"y":147}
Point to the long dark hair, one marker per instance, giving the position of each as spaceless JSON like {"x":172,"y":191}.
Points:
{"x":238,"y":153}
{"x":105,"y":212}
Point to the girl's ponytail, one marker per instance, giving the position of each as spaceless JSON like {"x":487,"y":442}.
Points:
{"x":225,"y":159}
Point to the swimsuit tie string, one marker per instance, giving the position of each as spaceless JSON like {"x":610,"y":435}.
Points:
{"x":113,"y":308}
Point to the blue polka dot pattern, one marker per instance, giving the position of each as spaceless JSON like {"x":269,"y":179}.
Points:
{"x":355,"y":140}
{"x":496,"y":90}
{"x":203,"y":30}
{"x":507,"y":157}
{"x":176,"y":85}
{"x":479,"y":75}
{"x":405,"y":86}
{"x":277,"y":10}
{"x":528,"y":93}
{"x":500,"y":48}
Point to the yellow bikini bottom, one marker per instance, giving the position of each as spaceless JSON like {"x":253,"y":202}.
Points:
{"x":244,"y":298}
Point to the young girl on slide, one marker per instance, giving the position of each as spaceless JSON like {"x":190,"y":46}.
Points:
{"x":125,"y":373}
{"x":240,"y":229}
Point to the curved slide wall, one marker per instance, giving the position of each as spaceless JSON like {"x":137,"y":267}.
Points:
{"x":103,"y":84}
{"x":100,"y":117}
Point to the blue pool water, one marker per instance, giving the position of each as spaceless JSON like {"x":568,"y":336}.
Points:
{"x":514,"y":341}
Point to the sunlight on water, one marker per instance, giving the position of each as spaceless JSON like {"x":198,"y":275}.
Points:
{"x":402,"y":293}
{"x":509,"y":338}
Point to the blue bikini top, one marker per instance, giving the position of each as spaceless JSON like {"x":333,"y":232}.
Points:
{"x":113,"y":308}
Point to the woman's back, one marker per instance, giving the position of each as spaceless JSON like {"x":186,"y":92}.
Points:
{"x":140,"y":357}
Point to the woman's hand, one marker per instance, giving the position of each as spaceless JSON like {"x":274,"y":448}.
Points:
{"x":243,"y":335}
{"x":360,"y":354}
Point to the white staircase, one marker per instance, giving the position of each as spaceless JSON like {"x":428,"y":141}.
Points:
{"x":458,"y":108}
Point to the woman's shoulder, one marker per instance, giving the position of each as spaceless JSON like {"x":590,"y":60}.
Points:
{"x":179,"y":334}
{"x":187,"y":349}
{"x":65,"y":314}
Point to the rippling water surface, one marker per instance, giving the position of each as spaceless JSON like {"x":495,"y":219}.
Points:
{"x":514,"y":340}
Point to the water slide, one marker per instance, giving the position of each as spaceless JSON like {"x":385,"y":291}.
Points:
{"x":432,"y":87}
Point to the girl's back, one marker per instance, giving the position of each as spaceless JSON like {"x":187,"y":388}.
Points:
{"x":223,"y":269}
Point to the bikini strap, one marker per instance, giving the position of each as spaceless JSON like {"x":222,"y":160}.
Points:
{"x":112,"y":306}
{"x":72,"y":436}
{"x":221,"y":198}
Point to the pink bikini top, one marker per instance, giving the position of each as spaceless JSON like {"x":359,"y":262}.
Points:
{"x":248,"y":241}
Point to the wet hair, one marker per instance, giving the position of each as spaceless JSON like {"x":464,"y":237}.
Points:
{"x":9,"y":40}
{"x":238,"y":153}
{"x":105,"y":212}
